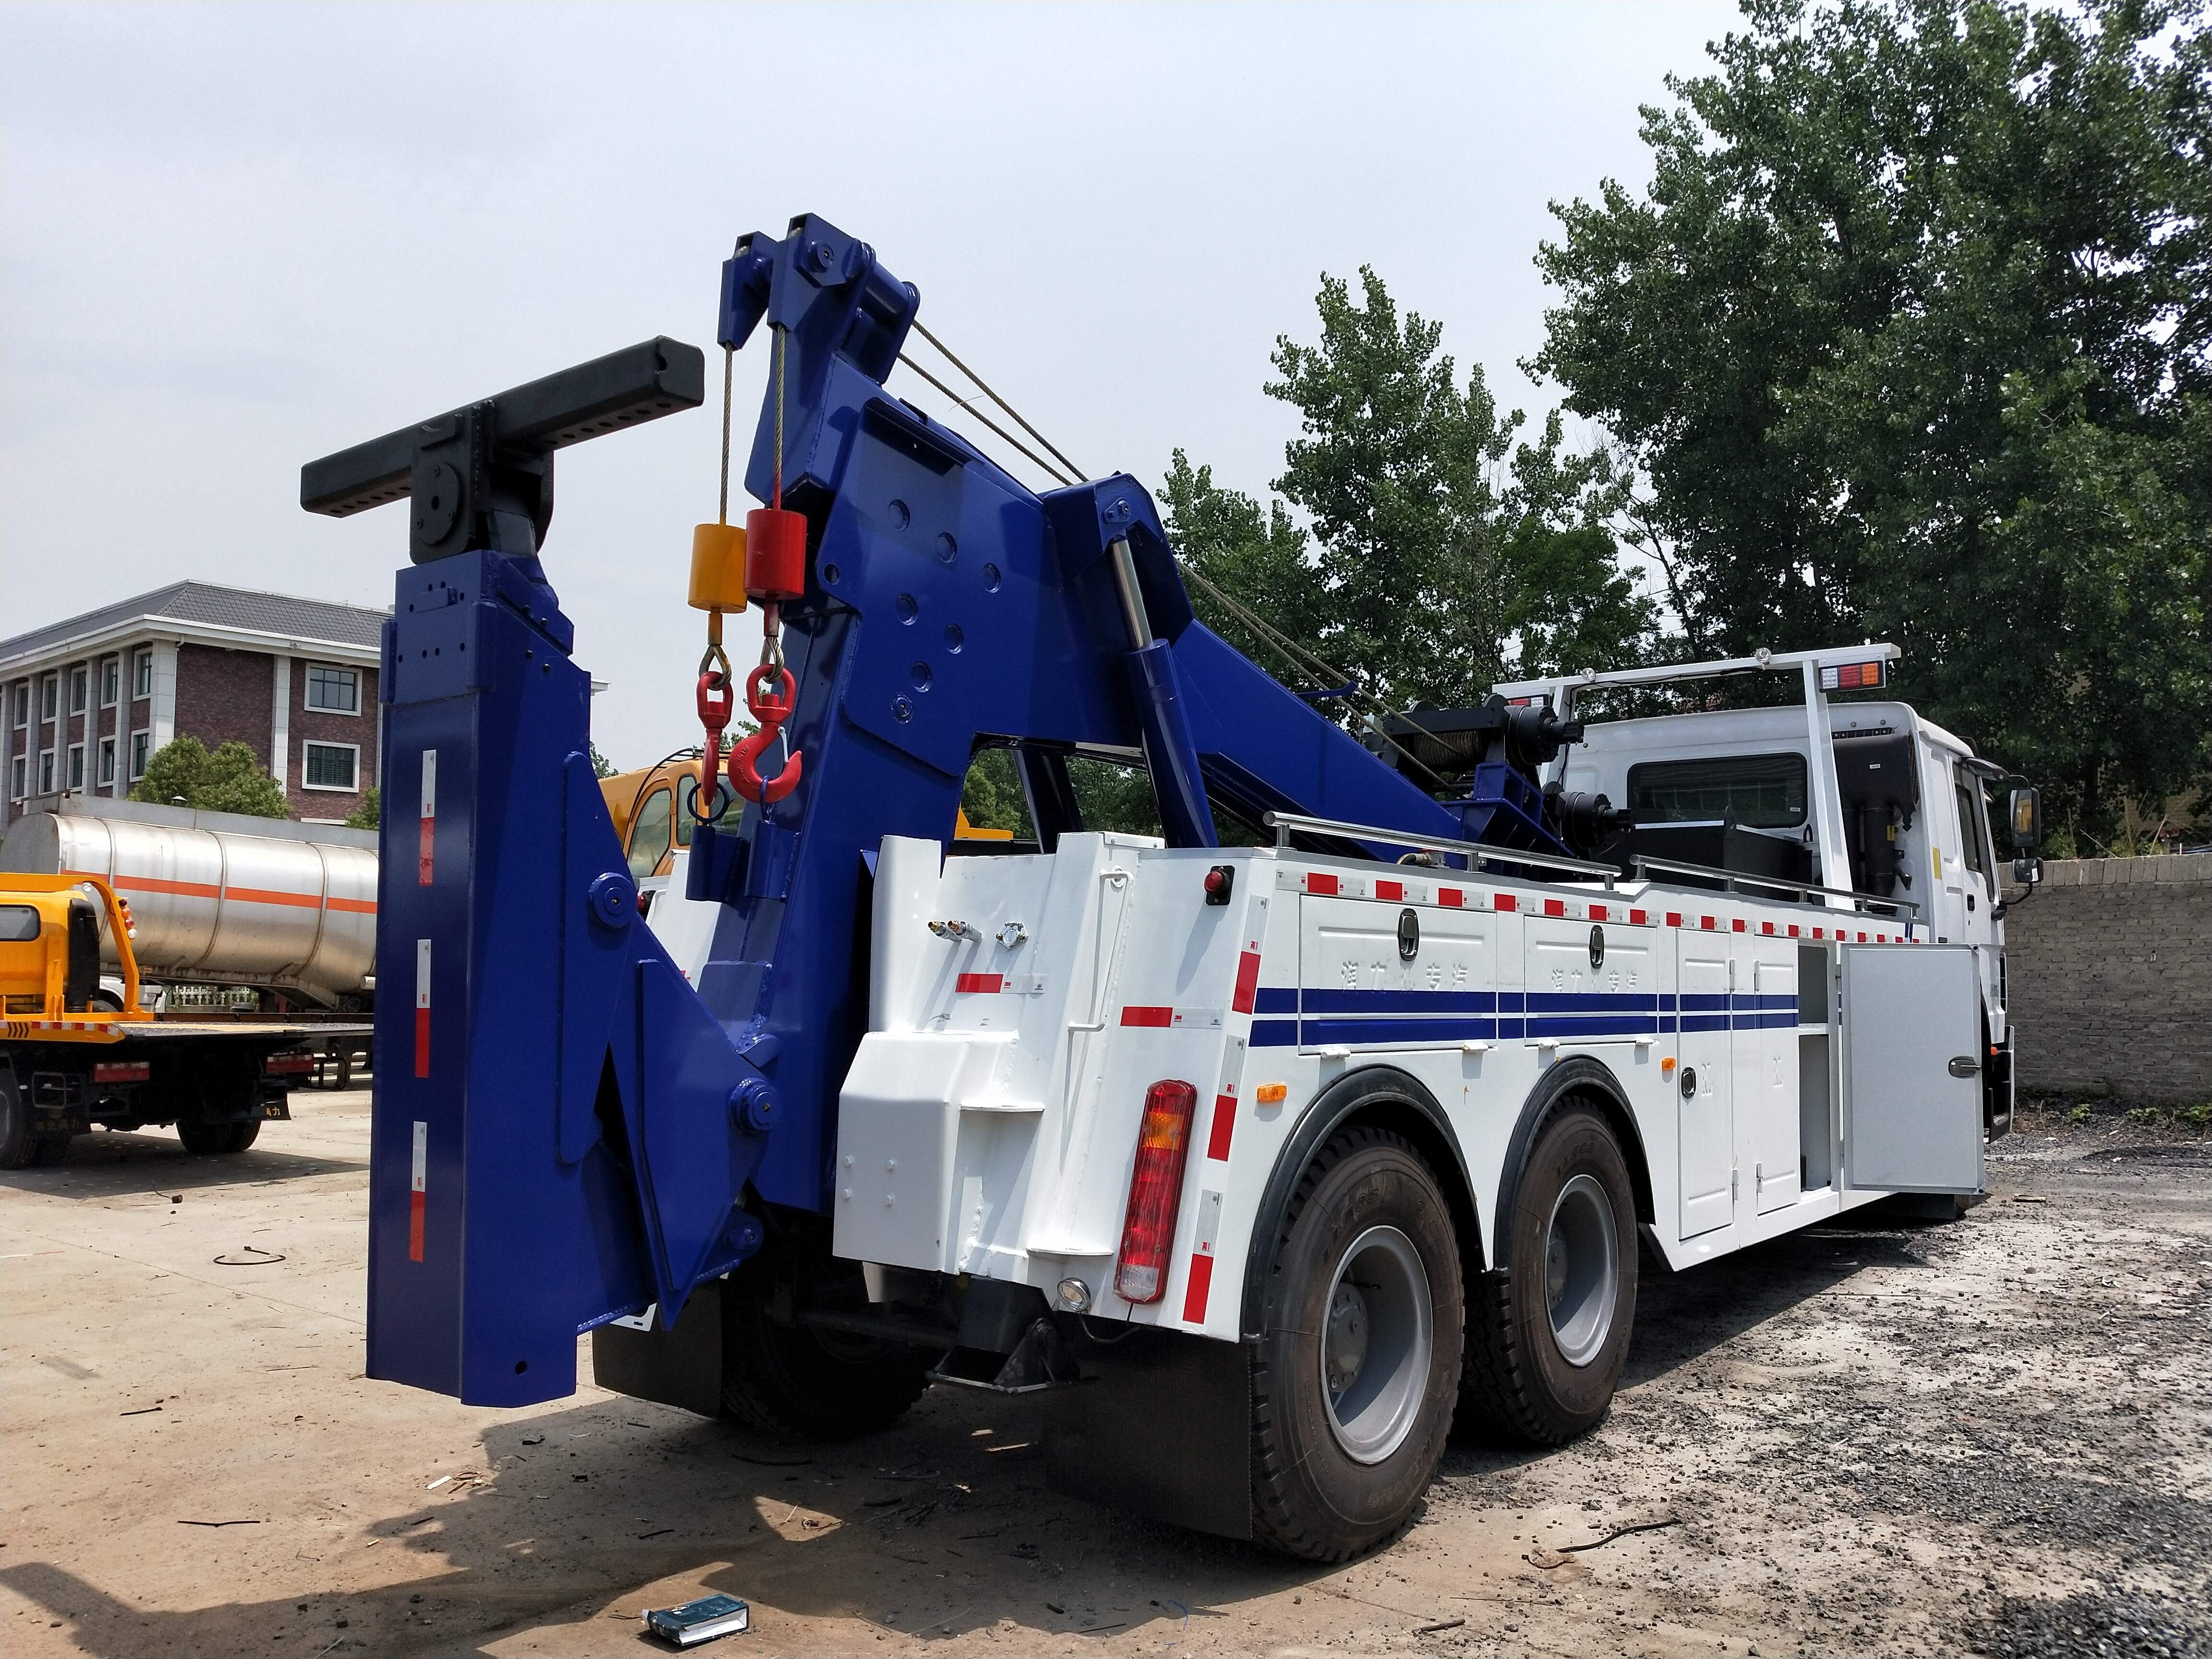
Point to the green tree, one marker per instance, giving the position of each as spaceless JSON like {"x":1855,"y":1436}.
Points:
{"x":1445,"y":553}
{"x":369,"y":815}
{"x":1909,"y":338}
{"x":601,"y":766}
{"x":228,"y":780}
{"x":991,"y":795}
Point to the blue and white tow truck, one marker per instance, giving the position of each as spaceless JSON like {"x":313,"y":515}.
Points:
{"x":1257,"y":1162}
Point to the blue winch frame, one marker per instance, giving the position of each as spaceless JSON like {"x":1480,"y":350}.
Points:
{"x":600,"y":1134}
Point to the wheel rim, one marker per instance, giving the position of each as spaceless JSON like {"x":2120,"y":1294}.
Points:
{"x":1378,"y":1342}
{"x":1581,"y":1269}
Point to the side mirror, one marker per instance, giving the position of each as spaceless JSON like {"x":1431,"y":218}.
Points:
{"x":2025,"y":818}
{"x":2027,"y":871}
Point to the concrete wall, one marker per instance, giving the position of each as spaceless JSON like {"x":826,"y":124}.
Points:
{"x":2111,"y":976}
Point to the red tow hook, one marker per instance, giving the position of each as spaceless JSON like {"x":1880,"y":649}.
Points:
{"x":714,"y":715}
{"x":771,"y":710}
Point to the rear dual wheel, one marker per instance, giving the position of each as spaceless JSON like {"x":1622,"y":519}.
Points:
{"x":1353,"y":1384}
{"x":1547,"y":1337}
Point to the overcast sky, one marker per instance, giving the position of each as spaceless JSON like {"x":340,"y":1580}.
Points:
{"x":233,"y":238}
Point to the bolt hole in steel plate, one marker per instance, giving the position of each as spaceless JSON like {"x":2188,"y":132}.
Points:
{"x":1376,"y":1344}
{"x":1581,"y":1269}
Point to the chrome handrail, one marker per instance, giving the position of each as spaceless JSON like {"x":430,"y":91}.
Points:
{"x":1479,"y":852}
{"x":1730,"y":877}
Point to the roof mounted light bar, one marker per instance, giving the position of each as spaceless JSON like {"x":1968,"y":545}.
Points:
{"x":1759,"y":662}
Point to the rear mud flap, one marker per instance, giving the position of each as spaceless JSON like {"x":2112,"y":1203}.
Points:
{"x":1165,"y":1431}
{"x":680,"y":1365}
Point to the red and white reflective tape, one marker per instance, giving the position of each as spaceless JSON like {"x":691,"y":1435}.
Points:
{"x":426,"y":852}
{"x":1200,"y":1278}
{"x":421,"y":1007}
{"x":1163,"y":1018}
{"x":1248,"y":979}
{"x":1325,"y":883}
{"x":417,"y":1188}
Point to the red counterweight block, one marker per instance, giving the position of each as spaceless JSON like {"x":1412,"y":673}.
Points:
{"x":776,"y":553}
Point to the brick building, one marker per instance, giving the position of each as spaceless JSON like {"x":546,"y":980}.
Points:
{"x":85,"y":702}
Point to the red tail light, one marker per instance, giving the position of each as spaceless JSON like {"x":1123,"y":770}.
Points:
{"x":1155,"y":1191}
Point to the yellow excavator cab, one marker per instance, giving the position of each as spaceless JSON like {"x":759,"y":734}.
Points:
{"x":654,"y":810}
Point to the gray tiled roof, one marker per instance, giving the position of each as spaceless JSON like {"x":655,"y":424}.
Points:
{"x":225,"y":607}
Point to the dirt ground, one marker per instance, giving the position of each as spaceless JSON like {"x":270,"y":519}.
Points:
{"x":1987,"y":1437}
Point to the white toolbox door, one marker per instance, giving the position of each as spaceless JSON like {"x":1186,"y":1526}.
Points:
{"x":1912,"y":1085}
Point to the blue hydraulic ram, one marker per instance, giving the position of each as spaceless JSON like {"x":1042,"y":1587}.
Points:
{"x":581,"y":1132}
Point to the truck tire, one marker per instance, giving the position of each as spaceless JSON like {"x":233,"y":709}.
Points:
{"x":21,"y":1147}
{"x":796,"y":1380}
{"x":1354,"y":1380}
{"x":1547,"y":1336}
{"x":216,"y":1139}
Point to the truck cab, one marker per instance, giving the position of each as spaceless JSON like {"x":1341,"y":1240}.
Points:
{"x":1734,"y":789}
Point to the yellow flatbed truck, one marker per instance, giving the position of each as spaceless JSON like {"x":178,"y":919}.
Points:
{"x":69,"y":1062}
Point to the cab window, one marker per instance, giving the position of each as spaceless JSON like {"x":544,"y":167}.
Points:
{"x":1974,"y":828}
{"x":1760,"y":791}
{"x":18,"y":923}
{"x":648,"y":836}
{"x":687,"y":811}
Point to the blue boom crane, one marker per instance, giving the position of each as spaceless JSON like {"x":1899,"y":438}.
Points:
{"x":567,"y":1131}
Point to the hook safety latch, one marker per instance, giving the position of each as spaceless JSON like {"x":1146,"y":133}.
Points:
{"x":771,"y":707}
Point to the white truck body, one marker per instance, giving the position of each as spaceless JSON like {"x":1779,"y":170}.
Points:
{"x":1785,"y":1054}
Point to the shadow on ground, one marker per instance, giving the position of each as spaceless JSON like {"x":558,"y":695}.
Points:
{"x":938,"y":1527}
{"x":108,"y":1164}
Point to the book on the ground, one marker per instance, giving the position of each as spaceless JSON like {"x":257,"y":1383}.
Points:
{"x":702,"y":1621}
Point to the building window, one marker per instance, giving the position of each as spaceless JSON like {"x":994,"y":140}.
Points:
{"x":331,"y":766}
{"x":334,"y":691}
{"x":76,"y":766}
{"x":141,"y":675}
{"x":80,"y":688}
{"x":18,"y":775}
{"x":141,"y":743}
{"x":21,"y":698}
{"x":111,"y":681}
{"x":46,"y":771}
{"x":50,"y":695}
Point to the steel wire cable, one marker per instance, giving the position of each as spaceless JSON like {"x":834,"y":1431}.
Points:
{"x":922,"y":328}
{"x":1325,"y":676}
{"x":968,"y":404}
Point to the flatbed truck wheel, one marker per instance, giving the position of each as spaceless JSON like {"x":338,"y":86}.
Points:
{"x":22,"y":1147}
{"x":1355,"y":1379}
{"x":216,"y":1139}
{"x":1547,"y":1337}
{"x":796,"y":1380}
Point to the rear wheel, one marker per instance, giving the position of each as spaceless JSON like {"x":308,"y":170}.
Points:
{"x":797,"y":1380}
{"x":215,"y":1139}
{"x":1547,"y":1338}
{"x":1354,"y":1384}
